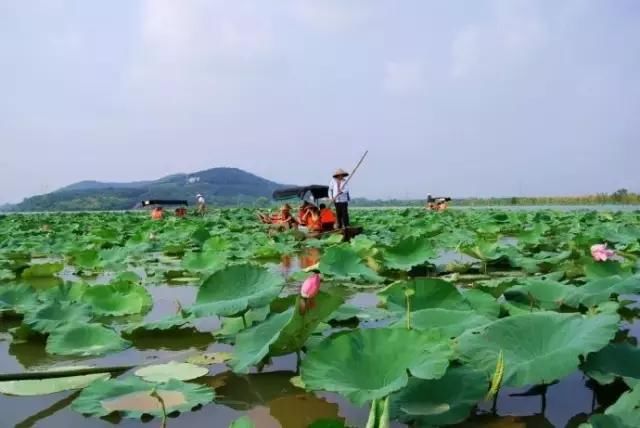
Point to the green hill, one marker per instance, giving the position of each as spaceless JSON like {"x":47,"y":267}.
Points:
{"x":220,"y":186}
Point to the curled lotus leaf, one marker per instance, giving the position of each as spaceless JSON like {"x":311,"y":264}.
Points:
{"x":51,"y":386}
{"x":538,"y":347}
{"x":132,"y":397}
{"x":598,"y":291}
{"x":119,"y":298}
{"x":85,"y":340}
{"x":235,"y":289}
{"x":427,"y":293}
{"x":343,"y":262}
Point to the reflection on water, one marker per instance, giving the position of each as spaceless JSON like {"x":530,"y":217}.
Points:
{"x":292,"y":264}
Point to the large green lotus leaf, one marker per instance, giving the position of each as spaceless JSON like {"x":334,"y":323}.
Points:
{"x":42,"y":270}
{"x":17,"y":298}
{"x":373,"y":362}
{"x":133,"y":397}
{"x":599,"y":291}
{"x":616,"y":359}
{"x":447,"y":322}
{"x":235,"y":289}
{"x":342,"y":262}
{"x":282,"y":333}
{"x":119,"y":298}
{"x":605,"y":421}
{"x":482,"y":250}
{"x":85,"y":340}
{"x":67,"y":292}
{"x":481,"y":302}
{"x":86,"y":259}
{"x":538,"y":347}
{"x":50,"y":316}
{"x":50,"y":386}
{"x":542,"y":261}
{"x":627,"y":408}
{"x":232,"y":326}
{"x":252,"y":345}
{"x":598,"y":270}
{"x":204,"y":261}
{"x":172,"y":370}
{"x":427,"y":293}
{"x":539,"y":293}
{"x":408,"y":252}
{"x":6,"y":275}
{"x":444,"y":401}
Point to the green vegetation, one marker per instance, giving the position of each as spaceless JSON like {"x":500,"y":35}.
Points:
{"x":460,"y":306}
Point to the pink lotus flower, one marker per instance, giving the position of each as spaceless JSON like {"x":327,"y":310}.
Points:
{"x":310,"y":288}
{"x":601,"y":253}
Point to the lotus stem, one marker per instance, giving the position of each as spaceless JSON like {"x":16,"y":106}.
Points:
{"x":244,"y":321}
{"x":157,"y":396}
{"x":379,"y":414}
{"x":62,"y":373}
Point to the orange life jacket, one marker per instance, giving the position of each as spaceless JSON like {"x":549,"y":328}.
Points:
{"x":314,"y":223}
{"x":327,"y":216}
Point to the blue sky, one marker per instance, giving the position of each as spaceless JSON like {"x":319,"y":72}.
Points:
{"x":467,"y":98}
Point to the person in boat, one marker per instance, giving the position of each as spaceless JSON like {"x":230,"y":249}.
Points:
{"x":157,"y":213}
{"x":327,"y":217}
{"x":314,"y":219}
{"x":200,"y":204}
{"x":339,"y":193}
{"x":303,"y":213}
{"x":181,"y":212}
{"x":284,"y":218}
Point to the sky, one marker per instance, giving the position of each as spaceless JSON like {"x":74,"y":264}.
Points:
{"x":461,"y":98}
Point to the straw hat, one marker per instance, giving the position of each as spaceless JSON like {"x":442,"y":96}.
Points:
{"x":340,"y":173}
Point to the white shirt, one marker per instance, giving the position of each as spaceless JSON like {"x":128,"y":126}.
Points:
{"x":200,"y":199}
{"x":335,"y":189}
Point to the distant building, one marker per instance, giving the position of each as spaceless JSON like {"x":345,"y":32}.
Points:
{"x":192,"y":180}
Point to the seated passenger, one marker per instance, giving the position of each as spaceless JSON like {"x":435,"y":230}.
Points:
{"x":327,"y":217}
{"x":157,"y":213}
{"x":303,"y":212}
{"x":314,"y":220}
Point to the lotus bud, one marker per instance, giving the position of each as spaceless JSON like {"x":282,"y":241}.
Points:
{"x":310,"y":287}
{"x":601,"y":253}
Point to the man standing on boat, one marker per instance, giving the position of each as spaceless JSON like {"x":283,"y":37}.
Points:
{"x":201,"y":204}
{"x":339,"y":194}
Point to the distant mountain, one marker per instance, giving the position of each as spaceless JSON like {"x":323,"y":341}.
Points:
{"x":220,"y":186}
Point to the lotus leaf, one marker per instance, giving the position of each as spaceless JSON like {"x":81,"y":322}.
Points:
{"x":539,"y":347}
{"x":243,"y":422}
{"x":85,"y":340}
{"x":428,"y":293}
{"x":133,"y":397}
{"x":598,"y":270}
{"x":342,"y":262}
{"x":42,"y":270}
{"x":408,"y":252}
{"x":617,"y":359}
{"x":119,"y":298}
{"x":447,"y":322}
{"x":210,"y":358}
{"x":481,"y":302}
{"x":17,"y":299}
{"x":281,"y":333}
{"x":373,"y":362}
{"x":439,"y":402}
{"x":172,"y":370}
{"x":627,"y":408}
{"x":51,"y":386}
{"x":235,"y":289}
{"x":599,"y":291}
{"x":540,"y":293}
{"x":204,"y":261}
{"x":50,"y":316}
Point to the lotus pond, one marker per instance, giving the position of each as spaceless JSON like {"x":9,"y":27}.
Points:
{"x":465,"y":318}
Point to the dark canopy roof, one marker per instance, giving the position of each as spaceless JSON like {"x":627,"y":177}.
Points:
{"x":163,"y":202}
{"x":316,"y":190}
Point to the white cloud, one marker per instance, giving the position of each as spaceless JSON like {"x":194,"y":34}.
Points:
{"x":330,"y":15}
{"x":404,"y":78}
{"x":512,"y":37}
{"x":187,"y":44}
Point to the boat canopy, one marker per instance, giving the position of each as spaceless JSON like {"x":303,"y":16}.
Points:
{"x":315,"y":191}
{"x":164,"y":202}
